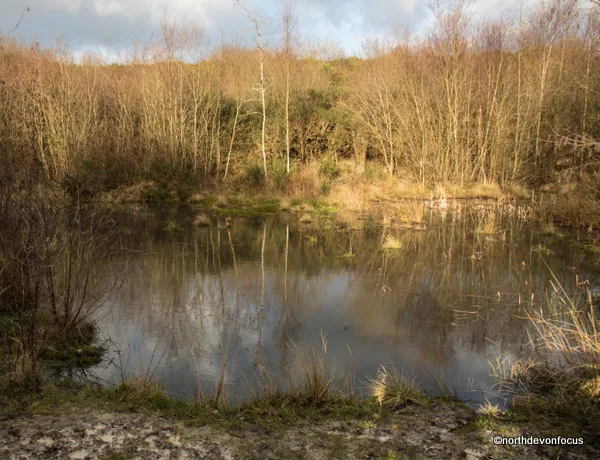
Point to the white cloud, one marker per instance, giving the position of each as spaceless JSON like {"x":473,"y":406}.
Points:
{"x":86,"y":24}
{"x":110,"y":7}
{"x":70,"y":6}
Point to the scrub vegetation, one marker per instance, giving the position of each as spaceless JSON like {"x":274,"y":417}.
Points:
{"x":468,"y":108}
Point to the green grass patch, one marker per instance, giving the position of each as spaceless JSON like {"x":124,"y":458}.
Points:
{"x":271,"y":411}
{"x":74,"y":356}
{"x":243,"y":207}
{"x":324,"y":208}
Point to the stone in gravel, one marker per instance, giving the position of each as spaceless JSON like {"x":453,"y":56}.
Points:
{"x":48,"y":442}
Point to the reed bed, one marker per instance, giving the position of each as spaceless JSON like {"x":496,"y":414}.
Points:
{"x":565,"y":341}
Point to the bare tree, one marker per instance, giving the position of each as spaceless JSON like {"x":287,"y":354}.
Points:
{"x":235,"y":78}
{"x":551,"y":23}
{"x":289,"y":24}
{"x":258,"y":23}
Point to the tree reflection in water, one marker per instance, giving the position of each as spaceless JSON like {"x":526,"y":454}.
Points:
{"x":259,"y":291}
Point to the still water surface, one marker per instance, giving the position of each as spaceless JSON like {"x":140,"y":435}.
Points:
{"x":247,"y":292}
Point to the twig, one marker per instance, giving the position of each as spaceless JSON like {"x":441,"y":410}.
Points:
{"x":25,"y":10}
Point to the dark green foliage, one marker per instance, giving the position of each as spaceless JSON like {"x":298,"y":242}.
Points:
{"x":279,"y":175}
{"x":255,"y":175}
{"x":329,"y":168}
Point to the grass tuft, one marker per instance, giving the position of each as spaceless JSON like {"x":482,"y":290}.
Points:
{"x":392,"y":243}
{"x":306,"y":219}
{"x":202,"y":220}
{"x":172,"y":226}
{"x":316,"y":373}
{"x":566,"y":343}
{"x":489,"y":410}
{"x":393,"y":389}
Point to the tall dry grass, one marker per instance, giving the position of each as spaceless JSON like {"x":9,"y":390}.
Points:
{"x":573,"y":327}
{"x":565,"y":341}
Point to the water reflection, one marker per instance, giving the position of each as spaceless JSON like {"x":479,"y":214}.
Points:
{"x":246,"y":290}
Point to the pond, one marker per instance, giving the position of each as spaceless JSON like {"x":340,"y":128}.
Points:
{"x":247,"y":299}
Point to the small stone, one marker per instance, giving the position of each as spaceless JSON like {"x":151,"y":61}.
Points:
{"x":107,"y":438}
{"x":175,"y":440}
{"x":151,"y":440}
{"x":48,"y":442}
{"x":472,"y":454}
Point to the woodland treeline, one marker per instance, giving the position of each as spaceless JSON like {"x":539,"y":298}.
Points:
{"x":464,"y":102}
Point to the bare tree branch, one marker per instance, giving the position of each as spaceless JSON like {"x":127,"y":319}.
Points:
{"x":258,"y":29}
{"x":25,"y":10}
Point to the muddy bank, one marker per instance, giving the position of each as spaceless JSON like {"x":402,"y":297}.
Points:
{"x":434,"y":430}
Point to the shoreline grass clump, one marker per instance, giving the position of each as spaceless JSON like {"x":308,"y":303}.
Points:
{"x":489,"y":410}
{"x":393,"y":389}
{"x":573,"y":327}
{"x":565,"y":340}
{"x":316,"y":374}
{"x":149,"y":388}
{"x":392,"y":243}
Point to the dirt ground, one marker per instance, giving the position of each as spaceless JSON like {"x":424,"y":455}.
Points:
{"x":438,"y":431}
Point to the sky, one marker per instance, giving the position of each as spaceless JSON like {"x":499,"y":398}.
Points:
{"x":111,"y":26}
